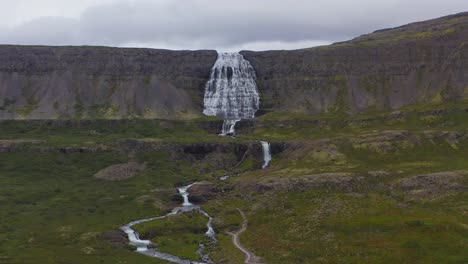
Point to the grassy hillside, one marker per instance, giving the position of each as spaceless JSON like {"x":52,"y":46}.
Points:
{"x":341,"y":189}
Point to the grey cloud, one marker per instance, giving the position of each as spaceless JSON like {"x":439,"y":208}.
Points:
{"x":194,"y":24}
{"x":45,"y":30}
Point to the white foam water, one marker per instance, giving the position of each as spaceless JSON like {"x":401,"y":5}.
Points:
{"x":143,"y":246}
{"x":266,"y":154}
{"x":183,"y":192}
{"x":229,"y":127}
{"x":231,"y":92}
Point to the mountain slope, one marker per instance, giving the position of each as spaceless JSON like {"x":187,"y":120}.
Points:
{"x":388,"y":69}
{"x":425,"y":62}
{"x":100,"y":82}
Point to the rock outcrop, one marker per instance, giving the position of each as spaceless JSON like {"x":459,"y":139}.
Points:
{"x":115,"y":238}
{"x":344,"y":181}
{"x":39,"y":82}
{"x":118,"y":172}
{"x":202,"y":192}
{"x":433,"y":185}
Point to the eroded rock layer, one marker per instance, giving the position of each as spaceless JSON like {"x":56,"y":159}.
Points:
{"x":425,"y":62}
{"x":100,"y":82}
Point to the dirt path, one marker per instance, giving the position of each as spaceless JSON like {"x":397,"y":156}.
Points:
{"x":250,"y":257}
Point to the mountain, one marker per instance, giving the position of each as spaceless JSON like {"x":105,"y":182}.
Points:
{"x":418,"y":63}
{"x":38,"y":82}
{"x":388,"y":69}
{"x":356,"y":185}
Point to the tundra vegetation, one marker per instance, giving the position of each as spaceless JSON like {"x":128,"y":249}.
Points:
{"x":384,"y":187}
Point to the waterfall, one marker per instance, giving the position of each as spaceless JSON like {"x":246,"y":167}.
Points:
{"x":144,"y":246}
{"x":183,"y":192}
{"x":231,"y":92}
{"x":228,"y":127}
{"x":266,"y":154}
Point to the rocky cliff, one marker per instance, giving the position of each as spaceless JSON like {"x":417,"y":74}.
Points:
{"x":99,"y":82}
{"x":388,"y":69}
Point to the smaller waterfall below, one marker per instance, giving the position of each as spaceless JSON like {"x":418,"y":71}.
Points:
{"x":266,"y":154}
{"x":183,"y":192}
{"x":143,"y":246}
{"x":228,"y":127}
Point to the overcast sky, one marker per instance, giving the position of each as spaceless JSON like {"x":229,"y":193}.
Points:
{"x":208,"y":24}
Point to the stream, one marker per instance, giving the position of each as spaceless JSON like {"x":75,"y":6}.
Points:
{"x":230,"y":93}
{"x":143,"y":246}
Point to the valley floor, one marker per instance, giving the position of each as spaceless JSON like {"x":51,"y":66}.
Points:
{"x":381,"y":188}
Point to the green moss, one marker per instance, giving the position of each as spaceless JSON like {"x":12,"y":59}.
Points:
{"x":327,"y":226}
{"x":70,"y":209}
{"x":147,"y":80}
{"x":149,"y":113}
{"x":426,"y":34}
{"x":31,"y":105}
{"x":408,"y":33}
{"x":79,"y":108}
{"x":179,"y":235}
{"x":342,"y":98}
{"x":225,"y":252}
{"x":248,"y":164}
{"x":104,"y":111}
{"x":366,"y":222}
{"x":369,"y":83}
{"x":56,"y":105}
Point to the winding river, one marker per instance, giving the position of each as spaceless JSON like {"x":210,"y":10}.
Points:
{"x":143,"y":246}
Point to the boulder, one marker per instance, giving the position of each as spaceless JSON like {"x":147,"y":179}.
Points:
{"x":202,"y":192}
{"x":120,"y":172}
{"x":115,"y":237}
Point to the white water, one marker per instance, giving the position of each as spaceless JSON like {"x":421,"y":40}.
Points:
{"x":228,"y":127}
{"x":183,"y":192}
{"x":231,"y":92}
{"x":224,"y":178}
{"x":143,"y":245}
{"x":266,"y":154}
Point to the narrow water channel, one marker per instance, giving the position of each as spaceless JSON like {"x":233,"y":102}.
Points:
{"x":144,"y":246}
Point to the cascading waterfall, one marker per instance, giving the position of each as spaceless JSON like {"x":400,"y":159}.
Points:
{"x":143,"y":246}
{"x":229,"y":127}
{"x":266,"y":154}
{"x":231,"y":92}
{"x":183,"y":192}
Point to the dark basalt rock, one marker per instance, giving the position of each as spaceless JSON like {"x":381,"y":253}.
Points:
{"x":202,"y":192}
{"x":101,"y":82}
{"x":277,"y":147}
{"x":176,"y":197}
{"x":388,"y":69}
{"x":115,"y":237}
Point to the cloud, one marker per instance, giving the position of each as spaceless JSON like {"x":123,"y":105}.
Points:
{"x":45,"y":30}
{"x":240,"y":24}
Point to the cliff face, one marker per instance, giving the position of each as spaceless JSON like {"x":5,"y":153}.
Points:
{"x":388,"y":69}
{"x":99,"y":82}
